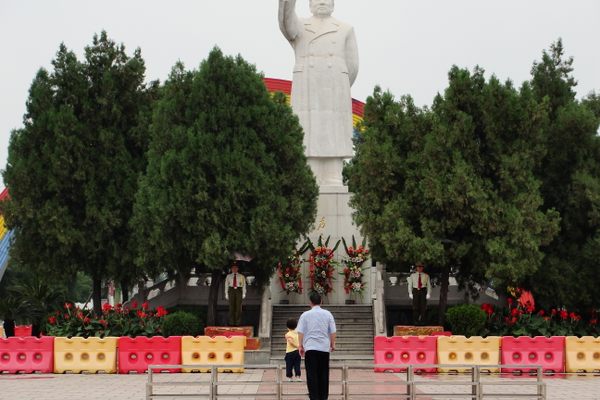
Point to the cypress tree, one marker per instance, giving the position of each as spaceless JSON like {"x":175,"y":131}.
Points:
{"x":226,"y":174}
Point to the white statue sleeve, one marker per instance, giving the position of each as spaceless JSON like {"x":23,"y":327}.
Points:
{"x":352,"y":56}
{"x":288,"y":20}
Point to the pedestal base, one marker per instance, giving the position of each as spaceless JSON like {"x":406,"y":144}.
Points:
{"x":334,"y":220}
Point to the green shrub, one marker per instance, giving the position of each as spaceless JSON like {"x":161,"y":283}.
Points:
{"x":466,"y":319}
{"x":182,"y":323}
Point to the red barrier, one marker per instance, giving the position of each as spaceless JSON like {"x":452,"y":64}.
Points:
{"x":443,"y":333}
{"x":27,"y":355}
{"x":136,"y":354}
{"x":23,"y":330}
{"x":549,"y":352}
{"x":404,"y":350}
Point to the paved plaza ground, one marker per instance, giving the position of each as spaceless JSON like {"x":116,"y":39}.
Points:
{"x":132,"y":387}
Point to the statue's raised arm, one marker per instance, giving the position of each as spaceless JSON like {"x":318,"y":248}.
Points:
{"x":289,"y":23}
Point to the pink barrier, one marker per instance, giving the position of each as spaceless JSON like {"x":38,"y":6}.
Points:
{"x":549,"y":352}
{"x":23,"y":330}
{"x":404,"y":350}
{"x":136,"y":354}
{"x":27,"y":355}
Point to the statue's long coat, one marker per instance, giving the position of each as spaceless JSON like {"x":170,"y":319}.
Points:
{"x":325,"y":68}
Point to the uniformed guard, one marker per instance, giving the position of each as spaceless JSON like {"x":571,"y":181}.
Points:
{"x":419,"y":291}
{"x":235,"y":292}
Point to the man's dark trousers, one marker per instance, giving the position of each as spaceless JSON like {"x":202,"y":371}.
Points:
{"x":317,"y":374}
{"x":235,"y":306}
{"x":419,"y":305}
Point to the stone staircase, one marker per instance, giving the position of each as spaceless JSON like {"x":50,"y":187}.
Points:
{"x":354,"y":330}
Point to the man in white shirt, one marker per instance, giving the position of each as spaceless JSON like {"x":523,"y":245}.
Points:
{"x":235,"y":291}
{"x":316,"y":338}
{"x":419,"y":291}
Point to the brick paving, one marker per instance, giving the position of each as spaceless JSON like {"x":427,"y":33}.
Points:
{"x":255,"y":382}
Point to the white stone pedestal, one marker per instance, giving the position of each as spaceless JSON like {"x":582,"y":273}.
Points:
{"x":334,"y":218}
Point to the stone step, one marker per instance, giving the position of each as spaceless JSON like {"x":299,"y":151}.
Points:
{"x":341,"y":354}
{"x":354,"y":325}
{"x":298,"y":311}
{"x":332,"y":310}
{"x":350,"y":317}
{"x":341,"y":328}
{"x":340,"y":333}
{"x":367,"y":319}
{"x":353,"y":316}
{"x":280,"y":336}
{"x":354,"y":359}
{"x":362,"y":341}
{"x":363,"y":337}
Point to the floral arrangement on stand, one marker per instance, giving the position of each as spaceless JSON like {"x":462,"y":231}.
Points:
{"x":353,"y":267}
{"x":290,"y":274}
{"x":322,"y":265}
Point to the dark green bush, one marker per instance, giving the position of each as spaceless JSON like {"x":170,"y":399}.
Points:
{"x":466,"y":320}
{"x":182,"y":323}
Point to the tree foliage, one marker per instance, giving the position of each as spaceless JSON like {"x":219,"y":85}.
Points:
{"x":226,"y":173}
{"x":570,"y":176}
{"x":454,"y":186}
{"x":72,"y":169}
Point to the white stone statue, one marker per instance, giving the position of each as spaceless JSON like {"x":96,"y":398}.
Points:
{"x":325,"y":69}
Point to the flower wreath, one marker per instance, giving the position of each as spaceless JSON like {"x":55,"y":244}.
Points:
{"x":290,"y":274}
{"x":353,"y":267}
{"x":322,"y":266}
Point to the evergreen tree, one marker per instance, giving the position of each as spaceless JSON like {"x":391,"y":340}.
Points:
{"x":226,"y":173}
{"x":72,"y":169}
{"x":454,"y":186}
{"x":592,"y":101}
{"x":570,"y":176}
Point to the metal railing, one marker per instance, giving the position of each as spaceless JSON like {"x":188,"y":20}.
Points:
{"x":348,"y":387}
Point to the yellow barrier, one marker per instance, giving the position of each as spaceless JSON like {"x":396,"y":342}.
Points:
{"x":2,"y":227}
{"x":218,"y":350}
{"x":582,"y":354}
{"x":85,"y":355}
{"x":474,"y":350}
{"x":2,"y":333}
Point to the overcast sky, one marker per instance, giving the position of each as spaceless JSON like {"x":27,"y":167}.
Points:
{"x":406,"y":46}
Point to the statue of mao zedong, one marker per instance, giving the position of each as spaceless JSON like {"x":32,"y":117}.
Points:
{"x":325,"y":68}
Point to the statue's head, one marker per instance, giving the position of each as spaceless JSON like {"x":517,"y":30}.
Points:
{"x":321,"y":8}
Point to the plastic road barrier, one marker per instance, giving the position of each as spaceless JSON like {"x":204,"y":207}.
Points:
{"x":582,"y":354}
{"x":90,"y":355}
{"x":206,"y":351}
{"x":549,"y":352}
{"x":136,"y":354}
{"x":474,"y":350}
{"x":403,"y":350}
{"x":27,"y":355}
